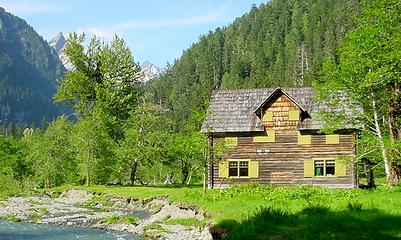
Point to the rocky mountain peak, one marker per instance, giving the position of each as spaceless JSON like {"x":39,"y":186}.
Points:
{"x":58,"y":43}
{"x":150,"y":71}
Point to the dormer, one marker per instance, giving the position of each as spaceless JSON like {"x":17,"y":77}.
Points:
{"x":280,"y":111}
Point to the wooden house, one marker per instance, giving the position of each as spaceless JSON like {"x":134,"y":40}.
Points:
{"x":270,"y":136}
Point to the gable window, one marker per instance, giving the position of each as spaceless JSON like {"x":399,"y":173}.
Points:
{"x":324,"y":168}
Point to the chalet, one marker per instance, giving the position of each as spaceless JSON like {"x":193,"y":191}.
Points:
{"x":271,"y":137}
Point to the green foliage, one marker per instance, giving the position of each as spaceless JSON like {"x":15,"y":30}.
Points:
{"x":51,"y":154}
{"x":94,"y":150}
{"x":279,"y":43}
{"x":104,"y":80}
{"x":367,"y":71}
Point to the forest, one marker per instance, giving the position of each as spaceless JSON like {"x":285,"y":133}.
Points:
{"x":123,"y":131}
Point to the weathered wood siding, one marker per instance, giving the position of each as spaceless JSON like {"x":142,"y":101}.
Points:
{"x":280,"y":106}
{"x":282,"y":162}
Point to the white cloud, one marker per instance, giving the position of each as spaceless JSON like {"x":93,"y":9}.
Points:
{"x":29,"y":7}
{"x":100,"y":32}
{"x":173,"y":22}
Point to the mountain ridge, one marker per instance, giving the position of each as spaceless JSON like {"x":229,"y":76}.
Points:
{"x":28,"y":72}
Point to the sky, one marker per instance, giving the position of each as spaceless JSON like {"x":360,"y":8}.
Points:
{"x":155,"y":30}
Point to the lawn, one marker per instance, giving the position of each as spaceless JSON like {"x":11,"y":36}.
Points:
{"x":268,"y":212}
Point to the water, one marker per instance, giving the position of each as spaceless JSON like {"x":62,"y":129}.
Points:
{"x":26,"y":231}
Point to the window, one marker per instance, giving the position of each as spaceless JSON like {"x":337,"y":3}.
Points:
{"x":238,"y":169}
{"x":325,"y":168}
{"x":243,"y":168}
{"x":233,"y":169}
{"x":319,"y":168}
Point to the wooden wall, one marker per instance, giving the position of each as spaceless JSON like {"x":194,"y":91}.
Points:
{"x":282,"y":162}
{"x":280,"y":106}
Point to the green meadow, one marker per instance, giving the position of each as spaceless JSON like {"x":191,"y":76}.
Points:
{"x":269,"y":212}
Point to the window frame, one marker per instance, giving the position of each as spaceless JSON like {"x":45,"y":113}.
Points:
{"x":238,"y":161}
{"x":324,"y":160}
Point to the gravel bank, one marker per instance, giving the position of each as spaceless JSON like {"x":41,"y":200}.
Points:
{"x":81,"y":208}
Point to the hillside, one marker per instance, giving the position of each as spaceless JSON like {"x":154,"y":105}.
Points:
{"x":280,"y":43}
{"x":28,"y":72}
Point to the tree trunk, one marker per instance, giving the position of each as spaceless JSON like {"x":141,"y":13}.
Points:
{"x":395,"y":131}
{"x":381,"y":141}
{"x":134,"y":167}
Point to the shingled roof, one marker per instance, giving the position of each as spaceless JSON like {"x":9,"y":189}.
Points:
{"x":234,"y":110}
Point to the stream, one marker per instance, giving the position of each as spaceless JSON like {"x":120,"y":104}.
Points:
{"x":27,"y":231}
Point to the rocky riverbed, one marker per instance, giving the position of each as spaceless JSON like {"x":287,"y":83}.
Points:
{"x":155,"y":218}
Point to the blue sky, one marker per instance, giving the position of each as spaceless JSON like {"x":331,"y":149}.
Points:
{"x":157,"y":30}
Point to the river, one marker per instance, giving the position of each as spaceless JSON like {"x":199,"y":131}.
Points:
{"x":27,"y":231}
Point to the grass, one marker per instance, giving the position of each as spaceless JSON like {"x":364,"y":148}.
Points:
{"x":187,"y":222}
{"x":119,"y":219}
{"x":286,"y":212}
{"x":12,"y":218}
{"x":96,"y":200}
{"x":152,"y":230}
{"x":36,"y":217}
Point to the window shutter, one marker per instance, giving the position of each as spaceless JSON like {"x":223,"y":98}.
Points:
{"x":293,"y":115}
{"x":271,"y":137}
{"x":268,"y":116}
{"x":304,"y":139}
{"x":231,"y":142}
{"x":332,"y":139}
{"x":223,"y":169}
{"x":308,"y":168}
{"x":254,"y":169}
{"x":340,"y":169}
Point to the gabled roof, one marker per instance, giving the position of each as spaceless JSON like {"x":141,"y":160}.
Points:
{"x":273,"y":94}
{"x":234,"y":110}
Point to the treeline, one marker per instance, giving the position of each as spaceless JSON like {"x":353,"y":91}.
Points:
{"x":280,"y":43}
{"x":115,"y":135}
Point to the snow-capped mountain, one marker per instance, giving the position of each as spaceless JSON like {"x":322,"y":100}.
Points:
{"x":58,"y":43}
{"x":150,"y":71}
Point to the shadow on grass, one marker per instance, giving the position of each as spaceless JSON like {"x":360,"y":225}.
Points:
{"x":315,"y":223}
{"x":162,"y":186}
